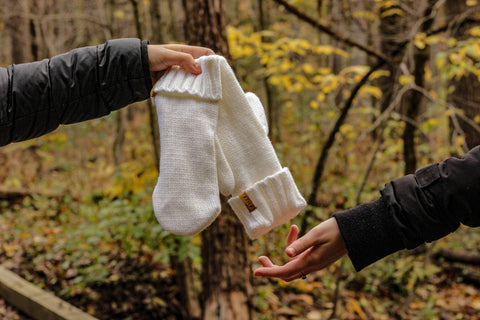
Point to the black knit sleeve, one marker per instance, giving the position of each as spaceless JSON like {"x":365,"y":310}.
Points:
{"x":414,"y":209}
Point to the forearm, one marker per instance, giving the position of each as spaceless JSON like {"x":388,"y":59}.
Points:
{"x":83,"y":84}
{"x":414,"y":209}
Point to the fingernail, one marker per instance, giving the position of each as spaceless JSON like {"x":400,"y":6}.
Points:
{"x":197,"y":67}
{"x":291,"y":251}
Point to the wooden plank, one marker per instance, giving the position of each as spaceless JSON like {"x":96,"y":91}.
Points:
{"x":36,"y":302}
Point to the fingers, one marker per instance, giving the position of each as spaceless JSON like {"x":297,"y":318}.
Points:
{"x":292,"y":235}
{"x":186,"y":61}
{"x":170,"y":58}
{"x":314,"y":237}
{"x":300,"y":245}
{"x":319,"y":248}
{"x":163,"y":56}
{"x":265,"y":261}
{"x":194,"y":51}
{"x":287,"y":272}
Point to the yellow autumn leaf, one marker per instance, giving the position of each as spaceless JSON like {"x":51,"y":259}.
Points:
{"x":365,"y":14}
{"x":419,"y":41}
{"x":452,"y":42}
{"x":475,"y":31}
{"x":331,"y":83}
{"x":247,"y":51}
{"x":267,"y":46}
{"x":392,"y":12}
{"x":455,"y":58}
{"x":307,"y":68}
{"x":286,"y":81}
{"x":275,"y":80}
{"x":285,"y":65}
{"x":327,"y":50}
{"x":314,"y":104}
{"x":432,"y":39}
{"x":354,"y":307}
{"x":440,"y":60}
{"x":428,"y":73}
{"x":305,"y":44}
{"x":119,"y":14}
{"x":324,"y":70}
{"x":346,"y":129}
{"x":378,"y":74}
{"x":460,"y":140}
{"x":405,"y":80}
{"x":387,"y":3}
{"x":296,"y":87}
{"x":355,"y":69}
{"x":372,"y":90}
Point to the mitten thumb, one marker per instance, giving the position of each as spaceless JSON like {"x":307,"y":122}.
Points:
{"x":226,"y":181}
{"x":257,"y":107}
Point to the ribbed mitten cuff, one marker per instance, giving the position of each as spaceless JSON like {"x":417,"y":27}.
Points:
{"x":177,"y":81}
{"x":268,"y":203}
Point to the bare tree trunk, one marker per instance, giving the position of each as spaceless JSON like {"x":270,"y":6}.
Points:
{"x":272,"y":108}
{"x":392,"y":33}
{"x":226,"y":274}
{"x":173,"y":25}
{"x":414,"y":99}
{"x":157,"y":38}
{"x":156,"y":16}
{"x":185,"y":279}
{"x":226,"y":270}
{"x":18,"y":27}
{"x":466,"y":95}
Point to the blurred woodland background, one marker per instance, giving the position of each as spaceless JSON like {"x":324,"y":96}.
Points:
{"x":357,"y":93}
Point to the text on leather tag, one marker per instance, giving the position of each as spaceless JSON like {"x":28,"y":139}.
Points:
{"x":247,"y":202}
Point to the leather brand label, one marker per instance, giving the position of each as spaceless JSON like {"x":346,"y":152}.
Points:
{"x":247,"y":202}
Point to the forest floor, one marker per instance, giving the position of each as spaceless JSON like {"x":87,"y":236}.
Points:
{"x":417,"y":284}
{"x":8,"y":312}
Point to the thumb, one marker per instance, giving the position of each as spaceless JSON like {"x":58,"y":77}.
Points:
{"x":300,"y":245}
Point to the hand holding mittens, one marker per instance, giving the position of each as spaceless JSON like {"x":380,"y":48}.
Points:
{"x":214,"y":129}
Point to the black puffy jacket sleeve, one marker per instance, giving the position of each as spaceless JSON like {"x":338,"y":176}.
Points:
{"x":83,"y":84}
{"x":414,"y":209}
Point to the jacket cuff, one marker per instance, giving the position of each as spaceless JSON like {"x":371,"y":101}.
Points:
{"x":268,"y":203}
{"x":146,"y":65}
{"x":369,"y":233}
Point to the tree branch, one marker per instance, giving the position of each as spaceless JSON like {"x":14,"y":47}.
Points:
{"x":316,"y":24}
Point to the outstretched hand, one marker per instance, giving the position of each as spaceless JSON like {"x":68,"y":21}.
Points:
{"x":319,"y":248}
{"x":163,"y":56}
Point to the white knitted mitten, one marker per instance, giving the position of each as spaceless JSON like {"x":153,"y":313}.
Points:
{"x":263,"y":194}
{"x":185,"y":198}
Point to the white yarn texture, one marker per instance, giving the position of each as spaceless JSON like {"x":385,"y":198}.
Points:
{"x":185,"y":198}
{"x":216,"y":139}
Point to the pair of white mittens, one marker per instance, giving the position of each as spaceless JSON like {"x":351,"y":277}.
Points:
{"x":214,"y":138}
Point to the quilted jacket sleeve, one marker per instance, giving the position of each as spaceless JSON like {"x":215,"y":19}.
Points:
{"x":414,"y":209}
{"x":83,"y":84}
